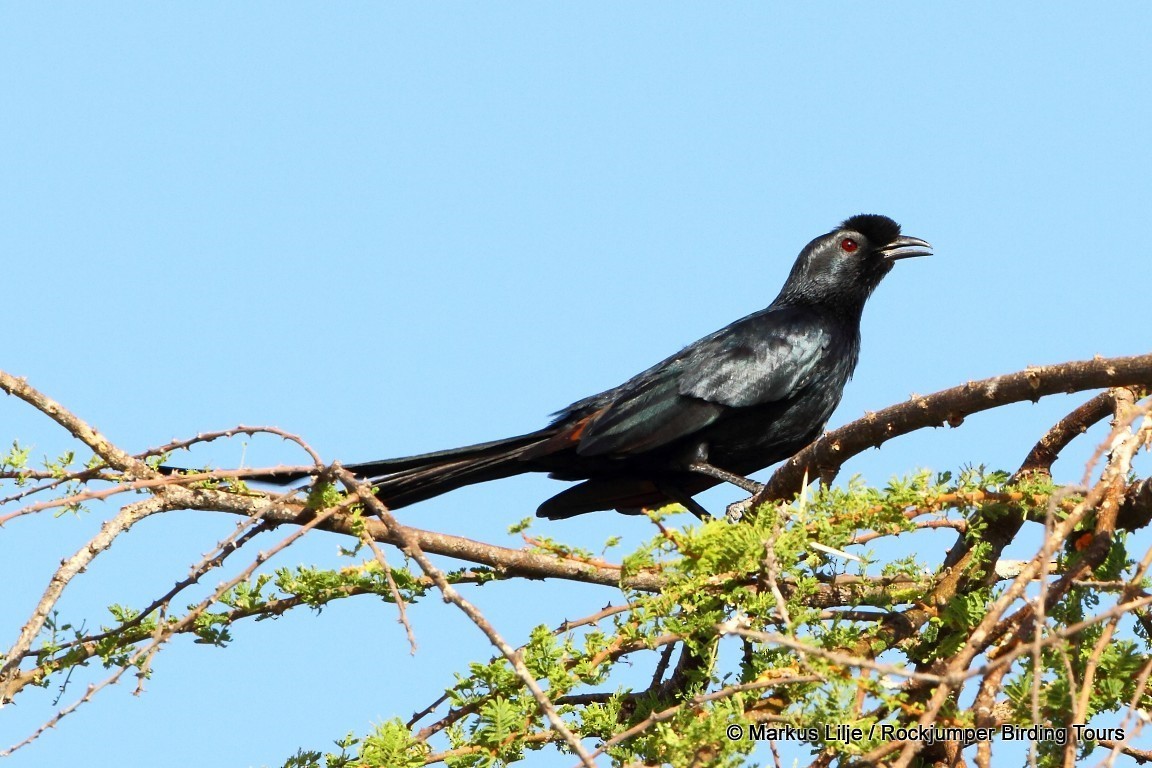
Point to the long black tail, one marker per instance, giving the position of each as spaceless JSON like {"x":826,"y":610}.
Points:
{"x":407,"y":480}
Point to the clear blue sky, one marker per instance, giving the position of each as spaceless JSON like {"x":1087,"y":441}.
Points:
{"x":393,"y":228}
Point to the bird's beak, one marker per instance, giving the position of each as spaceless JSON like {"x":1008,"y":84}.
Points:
{"x":906,"y":248}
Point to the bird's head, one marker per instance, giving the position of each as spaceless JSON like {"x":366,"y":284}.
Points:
{"x":843,"y":267}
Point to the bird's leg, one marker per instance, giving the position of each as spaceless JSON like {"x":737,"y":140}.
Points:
{"x":696,"y":460}
{"x":684,"y":500}
{"x":704,"y":468}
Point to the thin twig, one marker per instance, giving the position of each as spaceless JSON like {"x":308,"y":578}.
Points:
{"x":409,"y":545}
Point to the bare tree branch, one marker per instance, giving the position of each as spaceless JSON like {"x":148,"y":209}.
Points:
{"x":951,"y":406}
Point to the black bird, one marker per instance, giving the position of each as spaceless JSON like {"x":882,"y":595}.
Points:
{"x":734,"y":402}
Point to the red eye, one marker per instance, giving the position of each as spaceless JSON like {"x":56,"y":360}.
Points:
{"x":848,"y":245}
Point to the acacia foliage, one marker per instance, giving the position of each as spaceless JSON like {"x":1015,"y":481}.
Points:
{"x":806,"y":626}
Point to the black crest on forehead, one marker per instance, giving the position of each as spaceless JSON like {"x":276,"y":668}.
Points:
{"x":880,"y":230}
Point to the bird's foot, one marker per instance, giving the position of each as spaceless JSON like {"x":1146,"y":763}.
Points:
{"x":738,"y":509}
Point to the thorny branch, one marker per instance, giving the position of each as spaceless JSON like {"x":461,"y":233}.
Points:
{"x":824,"y":457}
{"x":1013,"y":627}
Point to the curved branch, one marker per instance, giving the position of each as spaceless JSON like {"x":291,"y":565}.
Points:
{"x":950,"y":406}
{"x":241,"y":429}
{"x":1043,"y":455}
